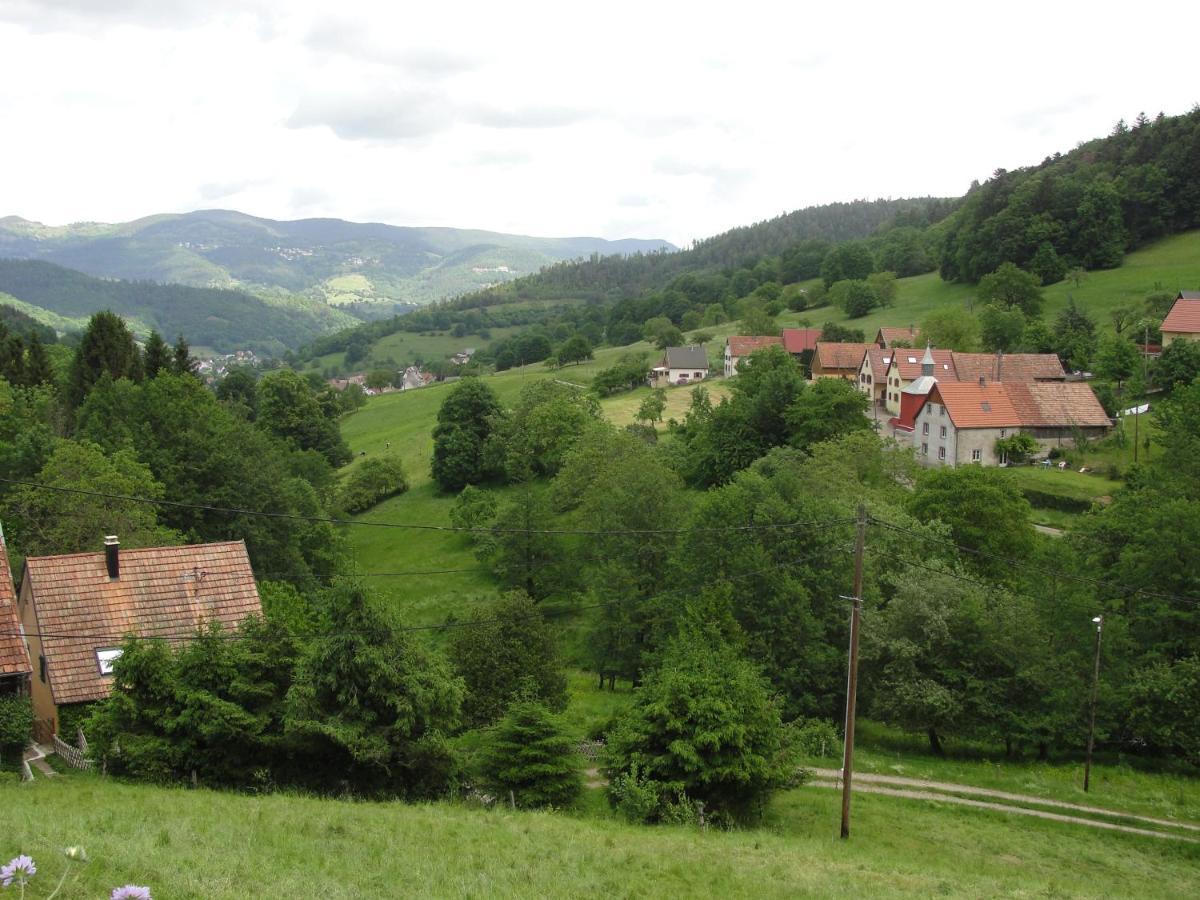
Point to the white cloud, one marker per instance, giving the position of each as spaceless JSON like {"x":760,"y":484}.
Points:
{"x":546,"y":118}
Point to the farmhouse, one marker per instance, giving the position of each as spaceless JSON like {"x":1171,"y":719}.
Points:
{"x":960,"y":422}
{"x":1183,"y":321}
{"x":834,"y":360}
{"x":802,"y":343}
{"x":76,"y":609}
{"x":681,"y":365}
{"x":14,"y":654}
{"x":908,"y":365}
{"x":888,"y":338}
{"x":872,"y":375}
{"x":950,"y":366}
{"x":738,"y":346}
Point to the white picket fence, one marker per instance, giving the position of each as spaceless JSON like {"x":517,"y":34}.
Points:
{"x":72,"y":756}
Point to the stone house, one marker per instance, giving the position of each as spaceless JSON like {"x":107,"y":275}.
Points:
{"x":76,"y":609}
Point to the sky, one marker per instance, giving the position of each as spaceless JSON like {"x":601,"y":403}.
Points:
{"x":652,"y":119}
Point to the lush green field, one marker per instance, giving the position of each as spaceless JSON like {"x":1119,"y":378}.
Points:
{"x":198,"y":843}
{"x":1063,"y":482}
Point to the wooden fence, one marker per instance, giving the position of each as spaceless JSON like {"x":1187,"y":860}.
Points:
{"x":72,"y":756}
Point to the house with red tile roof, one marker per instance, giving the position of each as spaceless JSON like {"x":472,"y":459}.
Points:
{"x":872,"y":374}
{"x":1183,"y":321}
{"x":908,"y":364}
{"x":76,"y":610}
{"x":835,"y":360}
{"x":960,"y":422}
{"x":15,"y":668}
{"x":887,"y":338}
{"x":802,"y":344}
{"x":739,"y":346}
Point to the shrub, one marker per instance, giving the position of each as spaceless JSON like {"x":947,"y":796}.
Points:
{"x":529,"y":755}
{"x":374,"y":480}
{"x":815,"y":738}
{"x":1016,"y":448}
{"x":16,"y":724}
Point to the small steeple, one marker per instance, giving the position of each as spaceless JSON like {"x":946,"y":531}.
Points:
{"x":927,"y":361}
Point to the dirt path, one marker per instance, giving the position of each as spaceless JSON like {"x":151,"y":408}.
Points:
{"x":1048,"y":529}
{"x":919,"y":789}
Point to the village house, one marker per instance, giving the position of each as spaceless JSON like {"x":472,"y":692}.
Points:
{"x":76,"y":609}
{"x":907,"y":365}
{"x":834,"y":360}
{"x":802,"y":343}
{"x":890,"y":338}
{"x":738,"y":346}
{"x":15,"y":668}
{"x":960,"y":422}
{"x":950,"y":366}
{"x":680,"y":365}
{"x":1183,"y":321}
{"x":872,"y":375}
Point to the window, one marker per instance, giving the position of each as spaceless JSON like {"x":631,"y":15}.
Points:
{"x":941,"y":452}
{"x":697,"y":374}
{"x":106,"y":657}
{"x":924,"y":449}
{"x":925,"y":428}
{"x":976,"y":455}
{"x":1003,"y":432}
{"x":943,"y":434}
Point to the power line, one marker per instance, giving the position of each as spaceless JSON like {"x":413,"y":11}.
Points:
{"x":328,"y":520}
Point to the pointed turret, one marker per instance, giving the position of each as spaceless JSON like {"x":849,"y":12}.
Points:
{"x":927,"y":361}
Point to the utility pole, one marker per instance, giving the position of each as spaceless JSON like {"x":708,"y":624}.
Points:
{"x":852,"y":675}
{"x":1087,"y":768}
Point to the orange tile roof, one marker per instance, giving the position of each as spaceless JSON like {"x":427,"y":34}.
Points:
{"x":1008,"y":367}
{"x":908,"y":364}
{"x":162,"y":591}
{"x":880,"y":360}
{"x":840,"y":356}
{"x":1184,"y":317}
{"x":797,"y":340}
{"x":888,"y":336}
{"x":14,"y":656}
{"x":1057,"y":404}
{"x":971,"y":405}
{"x":740,"y":345}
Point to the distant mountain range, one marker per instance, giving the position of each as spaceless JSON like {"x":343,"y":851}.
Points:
{"x":339,"y":263}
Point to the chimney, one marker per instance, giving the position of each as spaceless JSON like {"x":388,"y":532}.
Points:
{"x":112,"y":556}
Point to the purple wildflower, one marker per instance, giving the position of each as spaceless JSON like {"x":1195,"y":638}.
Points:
{"x":130,"y":892}
{"x":19,"y":870}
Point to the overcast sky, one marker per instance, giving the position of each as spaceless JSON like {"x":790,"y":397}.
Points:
{"x":645,"y":119}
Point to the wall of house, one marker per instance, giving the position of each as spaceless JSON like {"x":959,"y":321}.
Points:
{"x":730,"y":364}
{"x":895,"y":384}
{"x":45,"y":713}
{"x":1169,"y":337}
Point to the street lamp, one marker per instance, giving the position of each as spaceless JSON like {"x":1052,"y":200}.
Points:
{"x":1098,"y":621}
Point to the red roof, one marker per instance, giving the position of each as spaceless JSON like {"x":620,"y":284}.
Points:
{"x":797,"y":340}
{"x":14,"y":657}
{"x":1184,"y":318}
{"x":743,"y":346}
{"x":1008,"y":367}
{"x":880,"y":360}
{"x":971,"y":405}
{"x":908,"y":363}
{"x":164,"y":592}
{"x":885,"y":337}
{"x":840,"y":356}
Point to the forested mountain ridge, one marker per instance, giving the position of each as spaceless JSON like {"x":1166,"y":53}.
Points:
{"x":328,"y":259}
{"x":211,"y":317}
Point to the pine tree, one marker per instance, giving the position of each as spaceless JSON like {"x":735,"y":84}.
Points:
{"x":182,"y":362}
{"x":106,"y":348}
{"x":529,"y":754}
{"x":38,"y":369}
{"x":157,"y":355}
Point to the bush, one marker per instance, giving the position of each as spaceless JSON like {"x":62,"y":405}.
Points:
{"x":815,"y":738}
{"x":374,"y":480}
{"x":16,"y":724}
{"x":529,"y":755}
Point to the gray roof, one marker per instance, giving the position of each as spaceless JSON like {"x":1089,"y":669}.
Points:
{"x":686,"y":358}
{"x":1188,"y":295}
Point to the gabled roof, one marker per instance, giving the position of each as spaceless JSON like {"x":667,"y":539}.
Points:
{"x":1188,"y":295}
{"x":880,"y":360}
{"x":885,"y":337}
{"x":1184,"y":317}
{"x":797,"y":340}
{"x":908,"y":362}
{"x":740,"y":345}
{"x":14,"y":656}
{"x":692,"y":357}
{"x":971,"y":405}
{"x":840,"y":356}
{"x":164,"y":592}
{"x":1008,"y":367}
{"x":1057,"y":404}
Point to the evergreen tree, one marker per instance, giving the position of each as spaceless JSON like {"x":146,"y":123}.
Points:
{"x":182,"y":362}
{"x":530,"y":755}
{"x":106,"y":348}
{"x":157,"y":355}
{"x":38,"y":369}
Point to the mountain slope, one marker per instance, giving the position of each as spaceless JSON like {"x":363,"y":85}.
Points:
{"x":209,"y":317}
{"x":224,"y":248}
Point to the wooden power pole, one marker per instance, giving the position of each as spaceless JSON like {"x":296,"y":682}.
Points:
{"x":860,"y":538}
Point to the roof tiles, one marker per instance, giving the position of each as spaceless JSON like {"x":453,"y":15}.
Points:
{"x":840,"y":356}
{"x":14,"y":656}
{"x":1184,"y":317}
{"x":164,"y":592}
{"x":797,"y":340}
{"x":740,"y":345}
{"x":1008,"y":367}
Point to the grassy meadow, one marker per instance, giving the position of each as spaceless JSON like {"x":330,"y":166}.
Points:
{"x":204,"y":844}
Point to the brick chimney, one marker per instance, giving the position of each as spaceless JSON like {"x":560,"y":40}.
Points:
{"x":112,"y":556}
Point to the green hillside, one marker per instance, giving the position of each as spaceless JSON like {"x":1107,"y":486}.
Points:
{"x":227,"y":249}
{"x":203,"y":844}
